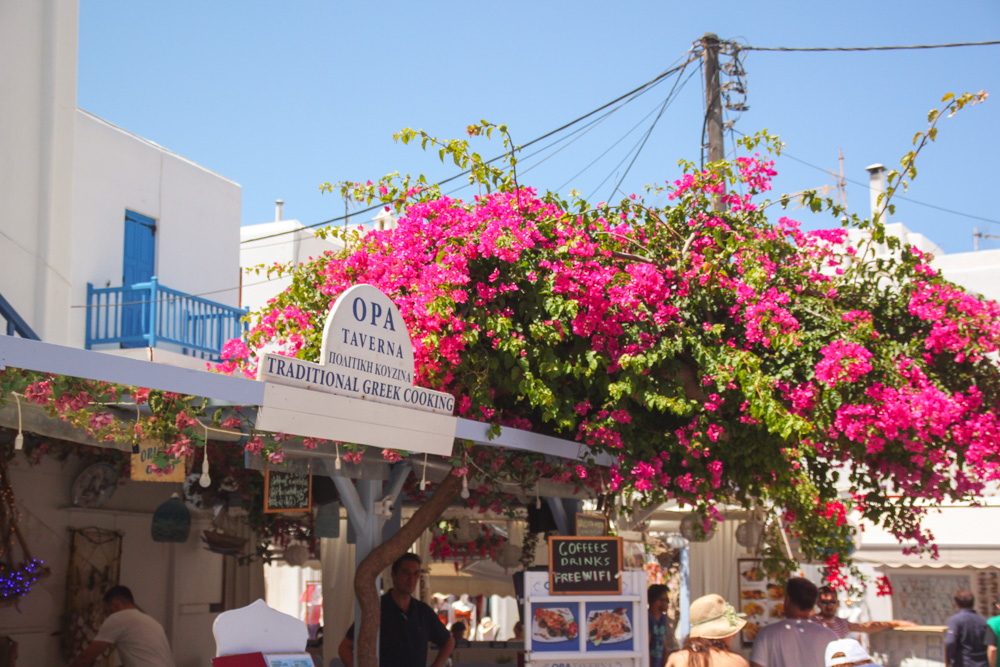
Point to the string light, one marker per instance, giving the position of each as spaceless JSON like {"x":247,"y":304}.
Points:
{"x":465,"y":486}
{"x":336,"y":462}
{"x":17,"y":583}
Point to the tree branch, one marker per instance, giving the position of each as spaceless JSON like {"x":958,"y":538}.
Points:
{"x":384,"y":555}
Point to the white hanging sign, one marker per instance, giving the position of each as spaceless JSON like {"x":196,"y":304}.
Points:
{"x":367,"y":353}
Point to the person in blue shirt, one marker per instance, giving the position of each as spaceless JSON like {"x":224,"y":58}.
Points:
{"x":965,"y":640}
{"x":658,"y":601}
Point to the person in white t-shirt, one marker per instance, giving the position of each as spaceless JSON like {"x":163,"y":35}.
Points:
{"x":138,"y":637}
{"x":795,"y":641}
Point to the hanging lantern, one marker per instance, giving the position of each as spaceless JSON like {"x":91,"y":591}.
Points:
{"x":296,"y":555}
{"x":327,"y":522}
{"x":509,"y":556}
{"x":171,"y":521}
{"x":693,"y":530}
{"x":466,"y":531}
{"x":749,"y":534}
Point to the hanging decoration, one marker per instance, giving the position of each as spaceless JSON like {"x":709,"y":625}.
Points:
{"x":16,"y":580}
{"x":224,"y":537}
{"x":95,"y":485}
{"x":508,"y":555}
{"x":693,"y":528}
{"x":749,"y":534}
{"x":95,"y":557}
{"x":296,"y":555}
{"x":171,"y":521}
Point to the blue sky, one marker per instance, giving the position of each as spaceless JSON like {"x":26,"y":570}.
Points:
{"x":283,"y":96}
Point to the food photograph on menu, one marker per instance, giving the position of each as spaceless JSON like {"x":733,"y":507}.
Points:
{"x":609,"y":626}
{"x":762,"y":600}
{"x":554,"y":627}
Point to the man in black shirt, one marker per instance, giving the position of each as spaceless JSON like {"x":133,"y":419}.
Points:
{"x":407,"y":624}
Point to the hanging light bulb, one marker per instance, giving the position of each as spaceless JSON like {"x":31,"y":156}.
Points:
{"x":19,"y":438}
{"x":465,"y":486}
{"x":423,"y":476}
{"x":205,"y":480}
{"x":336,"y":463}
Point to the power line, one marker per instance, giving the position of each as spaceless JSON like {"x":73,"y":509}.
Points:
{"x":644,"y":86}
{"x":898,"y":196}
{"x":867,"y":48}
{"x":666,"y":103}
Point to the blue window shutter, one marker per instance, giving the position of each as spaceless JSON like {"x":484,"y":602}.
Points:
{"x":138,"y":267}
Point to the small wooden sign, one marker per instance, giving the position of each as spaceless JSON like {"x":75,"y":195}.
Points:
{"x":141,"y":469}
{"x":287,"y":491}
{"x":591,"y":525}
{"x":585,"y":565}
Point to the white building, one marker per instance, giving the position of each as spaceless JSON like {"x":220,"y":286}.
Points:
{"x":279,"y":242}
{"x":285,"y":242}
{"x":89,"y":202}
{"x":86,"y":202}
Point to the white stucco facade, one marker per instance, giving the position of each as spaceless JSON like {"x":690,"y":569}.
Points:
{"x":67,"y":179}
{"x":270,"y":243}
{"x":197,"y":214}
{"x":38,"y":46}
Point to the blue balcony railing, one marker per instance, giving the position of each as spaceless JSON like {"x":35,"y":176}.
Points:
{"x":149,"y":314}
{"x":16,"y":326}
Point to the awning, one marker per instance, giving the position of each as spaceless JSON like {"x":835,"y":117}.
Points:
{"x":960,"y":532}
{"x":949,"y":557}
{"x":474,"y":578}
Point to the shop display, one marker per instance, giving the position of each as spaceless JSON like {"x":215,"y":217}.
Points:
{"x":585,"y":628}
{"x":761,"y":599}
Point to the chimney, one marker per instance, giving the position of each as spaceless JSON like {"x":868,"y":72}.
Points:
{"x":278,"y":204}
{"x":876,"y":187}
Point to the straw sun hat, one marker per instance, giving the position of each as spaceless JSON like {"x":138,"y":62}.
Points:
{"x":714,"y":618}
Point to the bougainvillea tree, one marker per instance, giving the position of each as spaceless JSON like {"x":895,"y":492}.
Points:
{"x":720,"y":356}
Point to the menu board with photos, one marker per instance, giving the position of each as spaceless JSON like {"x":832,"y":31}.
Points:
{"x":761,"y":599}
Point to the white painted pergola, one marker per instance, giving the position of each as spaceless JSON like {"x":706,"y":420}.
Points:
{"x":369,"y":499}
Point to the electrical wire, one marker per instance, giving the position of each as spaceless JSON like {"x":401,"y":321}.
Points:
{"x":651,"y":82}
{"x":867,"y":48}
{"x":666,"y":103}
{"x":642,"y":144}
{"x":898,"y":196}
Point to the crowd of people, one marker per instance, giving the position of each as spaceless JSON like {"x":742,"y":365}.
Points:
{"x":805,"y":638}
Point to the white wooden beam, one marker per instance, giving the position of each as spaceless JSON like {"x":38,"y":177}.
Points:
{"x":48,"y":358}
{"x":513,"y":438}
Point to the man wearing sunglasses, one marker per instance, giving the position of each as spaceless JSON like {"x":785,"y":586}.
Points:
{"x":828,"y":604}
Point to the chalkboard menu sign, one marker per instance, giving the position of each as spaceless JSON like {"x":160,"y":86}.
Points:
{"x":591,"y":525}
{"x":585,"y":565}
{"x":287,"y":491}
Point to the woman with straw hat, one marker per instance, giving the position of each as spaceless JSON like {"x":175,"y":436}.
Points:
{"x":714,"y":625}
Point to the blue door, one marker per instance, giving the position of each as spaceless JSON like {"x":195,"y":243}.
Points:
{"x":138,"y":267}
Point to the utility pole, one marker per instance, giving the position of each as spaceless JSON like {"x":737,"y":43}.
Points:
{"x":713,"y":105}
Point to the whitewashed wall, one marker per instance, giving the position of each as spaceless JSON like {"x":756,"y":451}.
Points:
{"x":38,"y":48}
{"x":259,"y":245}
{"x":197,"y":215}
{"x":174,"y":583}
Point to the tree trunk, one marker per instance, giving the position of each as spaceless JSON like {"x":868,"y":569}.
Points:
{"x":384,"y":555}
